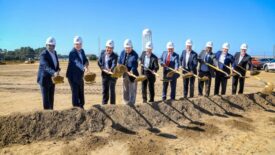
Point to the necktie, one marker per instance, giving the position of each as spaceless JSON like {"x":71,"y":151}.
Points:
{"x":168,"y":59}
{"x":206,"y":58}
{"x":126,"y":59}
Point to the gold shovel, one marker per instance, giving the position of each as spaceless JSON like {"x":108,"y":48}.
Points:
{"x":234,"y":71}
{"x":58,"y":79}
{"x":150,"y":70}
{"x":189,"y":74}
{"x":137,"y":78}
{"x":156,"y":74}
{"x":89,"y":77}
{"x":268,"y":89}
{"x":217,"y":69}
{"x":119,"y":70}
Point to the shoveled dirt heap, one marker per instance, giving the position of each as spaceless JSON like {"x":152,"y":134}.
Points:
{"x":185,"y":113}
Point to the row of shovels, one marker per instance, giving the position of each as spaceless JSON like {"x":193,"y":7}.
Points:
{"x":89,"y":78}
{"x":119,"y":70}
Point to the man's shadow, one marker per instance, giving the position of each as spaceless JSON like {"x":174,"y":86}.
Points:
{"x":169,"y":103}
{"x":155,"y":106}
{"x":151,"y":128}
{"x":116,"y":126}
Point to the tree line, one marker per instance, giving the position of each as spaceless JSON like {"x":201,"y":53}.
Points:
{"x":27,"y":53}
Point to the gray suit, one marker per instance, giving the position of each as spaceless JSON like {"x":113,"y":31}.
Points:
{"x":205,"y":70}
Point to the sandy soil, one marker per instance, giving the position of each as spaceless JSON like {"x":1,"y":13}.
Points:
{"x":239,"y":124}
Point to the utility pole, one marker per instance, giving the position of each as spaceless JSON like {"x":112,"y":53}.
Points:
{"x":99,"y":46}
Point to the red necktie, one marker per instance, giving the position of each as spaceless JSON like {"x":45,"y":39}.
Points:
{"x":168,"y":59}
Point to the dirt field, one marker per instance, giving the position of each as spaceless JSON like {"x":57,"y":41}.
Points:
{"x":238,"y":124}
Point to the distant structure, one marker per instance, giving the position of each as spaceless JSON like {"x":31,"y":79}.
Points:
{"x":146,"y":36}
{"x":273,"y":51}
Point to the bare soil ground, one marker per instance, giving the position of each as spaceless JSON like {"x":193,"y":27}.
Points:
{"x":230,"y":124}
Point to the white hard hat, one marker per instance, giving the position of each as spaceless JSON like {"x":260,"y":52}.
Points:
{"x":149,"y":45}
{"x":244,"y":46}
{"x":77,"y":40}
{"x":128,"y":43}
{"x":209,"y":44}
{"x":50,"y":41}
{"x":188,"y":42}
{"x":226,"y":45}
{"x":170,"y":45}
{"x":110,"y":43}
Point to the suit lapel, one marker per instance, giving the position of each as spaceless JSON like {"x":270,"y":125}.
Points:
{"x":103,"y":59}
{"x":244,"y":57}
{"x":190,"y":57}
{"x":57,"y":61}
{"x":51,"y":60}
{"x":183,"y":58}
{"x":238,"y":58}
{"x":76,"y":52}
{"x":151,"y":60}
{"x":165,"y":57}
{"x":143,"y":58}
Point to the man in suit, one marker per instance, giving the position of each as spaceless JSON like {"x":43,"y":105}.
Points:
{"x":241,"y":60}
{"x":129,"y":58}
{"x":78,"y":64}
{"x":189,"y":61}
{"x":149,"y":63}
{"x":107,"y":62}
{"x":48,"y":68}
{"x":170,"y":59}
{"x":206,"y":56}
{"x":222,"y":58}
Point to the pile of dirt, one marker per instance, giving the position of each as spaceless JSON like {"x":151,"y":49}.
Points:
{"x":184,"y":113}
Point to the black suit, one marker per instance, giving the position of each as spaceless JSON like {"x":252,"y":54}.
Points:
{"x":75,"y":73}
{"x":154,"y":66}
{"x":221,"y":78}
{"x":205,"y":70}
{"x":246,"y":60}
{"x":108,"y":82}
{"x":44,"y":78}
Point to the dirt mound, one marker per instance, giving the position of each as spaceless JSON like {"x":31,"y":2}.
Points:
{"x":184,"y":113}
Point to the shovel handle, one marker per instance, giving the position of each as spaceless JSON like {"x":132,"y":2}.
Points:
{"x":189,"y":72}
{"x":104,"y":70}
{"x":130,"y":74}
{"x":150,"y":70}
{"x":234,"y":71}
{"x":174,"y":70}
{"x":216,"y":68}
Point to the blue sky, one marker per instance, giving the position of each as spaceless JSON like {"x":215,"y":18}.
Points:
{"x":30,"y":22}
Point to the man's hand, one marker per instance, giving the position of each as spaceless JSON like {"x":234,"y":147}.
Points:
{"x":86,"y":69}
{"x":55,"y":74}
{"x":87,"y":64}
{"x":163,"y":65}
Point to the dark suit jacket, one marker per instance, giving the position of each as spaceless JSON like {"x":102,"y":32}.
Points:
{"x":244,"y":62}
{"x":174,"y":60}
{"x":46,"y":69}
{"x":112,"y":62}
{"x":201,"y":59}
{"x":227,"y":61}
{"x":132,"y":63}
{"x":75,"y":70}
{"x":153,"y":64}
{"x":192,"y":63}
